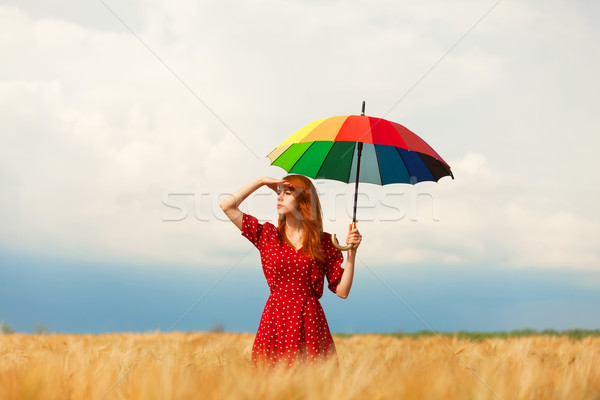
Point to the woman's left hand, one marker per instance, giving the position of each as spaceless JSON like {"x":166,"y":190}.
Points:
{"x":354,"y":237}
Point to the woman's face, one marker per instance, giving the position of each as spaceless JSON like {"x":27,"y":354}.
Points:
{"x":286,"y":202}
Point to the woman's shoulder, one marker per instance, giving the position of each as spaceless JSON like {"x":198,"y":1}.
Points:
{"x":326,"y":242}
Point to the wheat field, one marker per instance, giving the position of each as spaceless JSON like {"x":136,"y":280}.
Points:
{"x":211,"y":365}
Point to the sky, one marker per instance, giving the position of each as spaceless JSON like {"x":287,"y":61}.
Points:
{"x":125,"y":124}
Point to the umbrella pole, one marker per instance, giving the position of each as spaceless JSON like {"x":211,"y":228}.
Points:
{"x":360,"y":146}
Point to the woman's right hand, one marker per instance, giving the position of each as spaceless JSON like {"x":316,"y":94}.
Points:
{"x":272,"y":182}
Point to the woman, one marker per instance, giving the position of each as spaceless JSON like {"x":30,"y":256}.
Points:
{"x":296,"y":257}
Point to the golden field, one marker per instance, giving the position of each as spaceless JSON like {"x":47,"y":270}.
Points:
{"x":217,"y":366}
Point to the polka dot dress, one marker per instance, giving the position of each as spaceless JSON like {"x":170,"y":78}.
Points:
{"x":293,"y":327}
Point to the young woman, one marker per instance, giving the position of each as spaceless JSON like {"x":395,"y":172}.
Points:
{"x":296,"y":257}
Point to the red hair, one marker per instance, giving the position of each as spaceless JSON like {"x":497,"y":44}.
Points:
{"x":309,"y":208}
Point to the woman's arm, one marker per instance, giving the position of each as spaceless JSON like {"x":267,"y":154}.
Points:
{"x":343,"y":288}
{"x":230,"y":205}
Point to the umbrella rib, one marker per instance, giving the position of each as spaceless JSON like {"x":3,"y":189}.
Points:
{"x":378,"y":164}
{"x":325,"y":159}
{"x":350,"y":169}
{"x":302,"y":155}
{"x":405,"y":165}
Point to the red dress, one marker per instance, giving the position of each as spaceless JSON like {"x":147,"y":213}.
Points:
{"x":293,"y":325}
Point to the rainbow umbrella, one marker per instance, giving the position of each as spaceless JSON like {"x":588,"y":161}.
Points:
{"x":359,"y":148}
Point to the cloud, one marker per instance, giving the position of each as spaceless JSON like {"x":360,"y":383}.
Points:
{"x":514,"y":220}
{"x":105,"y":144}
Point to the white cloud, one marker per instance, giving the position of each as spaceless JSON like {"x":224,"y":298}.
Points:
{"x":97,"y":131}
{"x":516,"y":221}
{"x":554,"y":238}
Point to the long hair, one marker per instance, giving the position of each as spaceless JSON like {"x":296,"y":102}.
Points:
{"x":309,"y":212}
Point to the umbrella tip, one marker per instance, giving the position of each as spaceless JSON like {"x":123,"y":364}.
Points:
{"x":363,"y":108}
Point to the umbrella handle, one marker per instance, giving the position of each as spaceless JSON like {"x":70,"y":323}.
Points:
{"x":339,"y":246}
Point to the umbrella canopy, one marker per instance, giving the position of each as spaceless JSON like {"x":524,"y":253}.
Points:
{"x":359,"y":148}
{"x":328,"y":149}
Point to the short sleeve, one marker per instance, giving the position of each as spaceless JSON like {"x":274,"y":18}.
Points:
{"x":333,"y":266}
{"x":252,"y":229}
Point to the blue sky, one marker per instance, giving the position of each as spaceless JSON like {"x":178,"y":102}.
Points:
{"x":67,"y":295}
{"x":125,"y":124}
